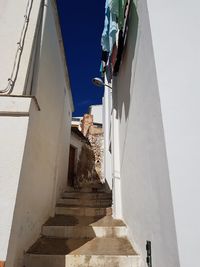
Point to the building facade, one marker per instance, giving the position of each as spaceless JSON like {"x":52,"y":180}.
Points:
{"x":35,"y":122}
{"x":154,"y":135}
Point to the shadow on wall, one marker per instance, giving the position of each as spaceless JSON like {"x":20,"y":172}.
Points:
{"x":122,"y":96}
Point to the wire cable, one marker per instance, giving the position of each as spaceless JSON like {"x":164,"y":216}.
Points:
{"x":20,"y":45}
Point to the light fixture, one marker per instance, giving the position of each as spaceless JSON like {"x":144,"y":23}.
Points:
{"x":98,"y":82}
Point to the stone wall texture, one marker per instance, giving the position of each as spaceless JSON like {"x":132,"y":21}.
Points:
{"x":90,"y":163}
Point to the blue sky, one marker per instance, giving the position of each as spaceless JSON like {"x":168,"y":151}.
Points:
{"x":82,"y":26}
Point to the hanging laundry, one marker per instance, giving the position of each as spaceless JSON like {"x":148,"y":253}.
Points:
{"x":121,"y":13}
{"x":104,"y":56}
{"x":104,"y":61}
{"x":105,"y":35}
{"x":114,"y":54}
{"x":109,"y":71}
{"x":117,"y":7}
{"x":110,"y":27}
{"x":119,"y":53}
{"x":114,"y":32}
{"x":114,"y":6}
{"x":122,"y":39}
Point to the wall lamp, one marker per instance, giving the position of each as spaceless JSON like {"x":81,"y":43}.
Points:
{"x":98,"y":82}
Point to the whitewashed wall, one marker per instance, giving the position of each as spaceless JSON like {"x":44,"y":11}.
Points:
{"x":11,"y":154}
{"x":145,"y":186}
{"x":175,"y":31}
{"x":107,"y":159}
{"x":11,"y":25}
{"x":42,"y":173}
{"x":76,"y":143}
{"x":97,"y":112}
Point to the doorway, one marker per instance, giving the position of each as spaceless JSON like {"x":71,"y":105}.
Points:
{"x":72,"y":164}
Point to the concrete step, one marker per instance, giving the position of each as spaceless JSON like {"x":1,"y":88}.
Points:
{"x":85,"y":202}
{"x":87,"y":195}
{"x":97,"y":252}
{"x":83,"y":211}
{"x":83,"y":227}
{"x":83,"y":231}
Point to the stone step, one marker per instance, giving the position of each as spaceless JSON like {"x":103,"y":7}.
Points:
{"x":83,"y":211}
{"x":85,"y":202}
{"x":83,"y":231}
{"x":87,"y":195}
{"x":83,"y":227}
{"x":96,"y":252}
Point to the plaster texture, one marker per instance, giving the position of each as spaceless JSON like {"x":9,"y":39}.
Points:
{"x":176,"y":43}
{"x":16,"y":106}
{"x":78,"y":144}
{"x":96,"y":111}
{"x":143,"y":184}
{"x":12,"y":22}
{"x":34,"y":158}
{"x":107,"y":159}
{"x":12,"y":135}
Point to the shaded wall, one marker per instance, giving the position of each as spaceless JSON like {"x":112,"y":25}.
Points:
{"x":45,"y":160}
{"x":176,"y":41}
{"x":146,"y":196}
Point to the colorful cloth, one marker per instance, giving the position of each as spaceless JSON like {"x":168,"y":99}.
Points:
{"x":117,"y":7}
{"x":122,"y":4}
{"x":110,"y":27}
{"x":114,"y":6}
{"x":114,"y":23}
{"x":105,"y":35}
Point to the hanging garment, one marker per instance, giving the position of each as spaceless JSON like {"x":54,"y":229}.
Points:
{"x":114,"y":6}
{"x":104,"y":60}
{"x":109,"y":71}
{"x":105,"y":35}
{"x":117,"y":7}
{"x":122,"y":39}
{"x":114,"y":55}
{"x":119,"y":53}
{"x":110,"y":27}
{"x":116,"y":14}
{"x":104,"y":56}
{"x":122,"y":11}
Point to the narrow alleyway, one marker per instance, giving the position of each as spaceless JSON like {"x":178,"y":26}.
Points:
{"x":83,"y":233}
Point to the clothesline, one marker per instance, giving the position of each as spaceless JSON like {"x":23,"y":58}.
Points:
{"x":113,"y":36}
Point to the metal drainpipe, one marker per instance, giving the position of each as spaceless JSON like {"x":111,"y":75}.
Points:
{"x":116,"y":182}
{"x":149,"y":254}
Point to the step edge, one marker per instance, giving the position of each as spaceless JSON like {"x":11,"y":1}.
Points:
{"x":84,"y":226}
{"x":82,"y":255}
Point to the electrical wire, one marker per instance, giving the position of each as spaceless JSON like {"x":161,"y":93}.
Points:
{"x":20,"y":46}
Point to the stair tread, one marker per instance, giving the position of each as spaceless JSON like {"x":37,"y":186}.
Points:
{"x":97,"y":221}
{"x":82,"y":207}
{"x":78,"y":194}
{"x":86,"y":246}
{"x":87,"y":193}
{"x":72,"y":206}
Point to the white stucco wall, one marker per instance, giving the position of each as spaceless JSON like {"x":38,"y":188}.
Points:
{"x":176,"y":41}
{"x":145,"y":187}
{"x":97,"y":112}
{"x":12,"y":136}
{"x":42,"y":174}
{"x":76,"y":143}
{"x":107,"y":159}
{"x":11,"y":25}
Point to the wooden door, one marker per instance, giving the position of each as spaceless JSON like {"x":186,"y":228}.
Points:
{"x":71,"y":170}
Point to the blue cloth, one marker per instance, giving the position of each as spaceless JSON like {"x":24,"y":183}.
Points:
{"x":114,"y":6}
{"x":110,"y":27}
{"x":105,"y":35}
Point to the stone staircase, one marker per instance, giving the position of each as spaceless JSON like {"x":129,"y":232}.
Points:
{"x":83,"y":233}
